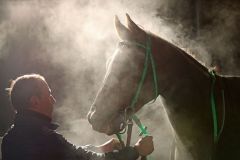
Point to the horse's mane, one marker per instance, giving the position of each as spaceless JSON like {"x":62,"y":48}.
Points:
{"x":187,"y":55}
{"x":191,"y":57}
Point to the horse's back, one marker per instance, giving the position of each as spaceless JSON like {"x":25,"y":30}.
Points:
{"x":229,"y":143}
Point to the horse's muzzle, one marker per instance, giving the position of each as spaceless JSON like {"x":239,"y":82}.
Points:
{"x":108,"y":126}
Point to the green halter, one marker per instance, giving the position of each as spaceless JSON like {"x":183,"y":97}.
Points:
{"x":148,"y":57}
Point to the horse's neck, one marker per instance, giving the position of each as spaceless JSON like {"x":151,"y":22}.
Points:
{"x":175,"y":67}
{"x":178,"y":74}
{"x":185,"y":87}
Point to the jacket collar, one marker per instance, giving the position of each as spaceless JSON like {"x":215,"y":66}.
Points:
{"x":31,"y":118}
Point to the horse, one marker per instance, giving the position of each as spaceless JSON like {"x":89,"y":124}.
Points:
{"x":202,"y":106}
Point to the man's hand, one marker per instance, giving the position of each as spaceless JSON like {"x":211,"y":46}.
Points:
{"x":144,"y":146}
{"x":109,"y":146}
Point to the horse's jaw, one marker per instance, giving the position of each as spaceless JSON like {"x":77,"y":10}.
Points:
{"x":106,"y":129}
{"x":102,"y":127}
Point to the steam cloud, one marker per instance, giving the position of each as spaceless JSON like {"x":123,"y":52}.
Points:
{"x":77,"y":38}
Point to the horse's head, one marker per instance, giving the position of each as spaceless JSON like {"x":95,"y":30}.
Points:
{"x":124,"y":69}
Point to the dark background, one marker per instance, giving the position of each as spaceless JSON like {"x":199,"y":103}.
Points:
{"x":212,"y":23}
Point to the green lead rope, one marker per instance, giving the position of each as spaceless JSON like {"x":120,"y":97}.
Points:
{"x":119,"y":136}
{"x":216,"y":133}
{"x":223,"y":122}
{"x":140,"y":125}
{"x":213,"y":107}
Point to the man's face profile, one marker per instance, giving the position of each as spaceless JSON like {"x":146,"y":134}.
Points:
{"x":44,"y":102}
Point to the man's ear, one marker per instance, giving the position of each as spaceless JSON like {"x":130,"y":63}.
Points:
{"x":34,"y":101}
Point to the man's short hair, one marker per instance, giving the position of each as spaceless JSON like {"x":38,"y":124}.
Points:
{"x":23,"y":88}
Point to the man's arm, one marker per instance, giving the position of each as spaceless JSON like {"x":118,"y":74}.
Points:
{"x":128,"y":153}
{"x":70,"y":151}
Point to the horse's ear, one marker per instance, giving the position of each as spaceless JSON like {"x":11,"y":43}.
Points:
{"x":138,"y":33}
{"x":132,"y":33}
{"x":132,"y":26}
{"x":123,"y":32}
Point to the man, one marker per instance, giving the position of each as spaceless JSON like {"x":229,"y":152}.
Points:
{"x":33,"y":136}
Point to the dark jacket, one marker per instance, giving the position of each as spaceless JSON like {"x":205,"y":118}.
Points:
{"x":33,"y":137}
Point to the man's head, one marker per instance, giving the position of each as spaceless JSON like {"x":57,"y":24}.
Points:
{"x":31,"y":92}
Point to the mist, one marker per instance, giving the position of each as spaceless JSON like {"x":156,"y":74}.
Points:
{"x":69,"y":42}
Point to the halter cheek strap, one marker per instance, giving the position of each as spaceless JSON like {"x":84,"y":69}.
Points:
{"x":148,"y":57}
